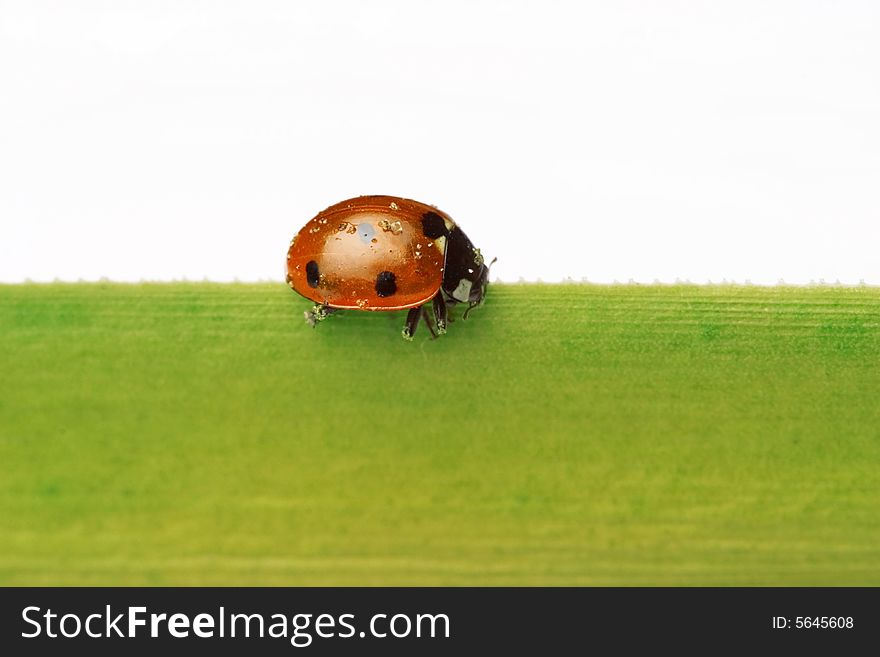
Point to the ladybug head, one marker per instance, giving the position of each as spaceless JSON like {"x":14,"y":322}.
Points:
{"x":478,"y":290}
{"x":466,"y":275}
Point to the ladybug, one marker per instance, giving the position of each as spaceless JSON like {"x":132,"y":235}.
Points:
{"x":386,"y":253}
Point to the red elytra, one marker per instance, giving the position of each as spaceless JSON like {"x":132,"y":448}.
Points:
{"x":368,"y":253}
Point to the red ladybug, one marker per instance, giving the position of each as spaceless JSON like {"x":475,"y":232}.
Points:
{"x":386,"y":253}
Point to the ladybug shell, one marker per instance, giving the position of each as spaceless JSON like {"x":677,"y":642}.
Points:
{"x":370,"y":253}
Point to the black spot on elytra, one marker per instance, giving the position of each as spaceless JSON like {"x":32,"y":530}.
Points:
{"x":386,"y":284}
{"x":312,"y":273}
{"x":433,"y":225}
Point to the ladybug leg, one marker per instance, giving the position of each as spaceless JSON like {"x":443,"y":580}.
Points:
{"x":440,"y":315}
{"x":318,"y":314}
{"x":427,"y":317}
{"x":412,"y":321}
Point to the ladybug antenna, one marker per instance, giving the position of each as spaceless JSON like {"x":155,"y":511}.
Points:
{"x":471,"y":306}
{"x":489,"y":268}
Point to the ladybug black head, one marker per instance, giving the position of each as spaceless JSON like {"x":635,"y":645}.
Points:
{"x":478,"y":290}
{"x":465,"y":276}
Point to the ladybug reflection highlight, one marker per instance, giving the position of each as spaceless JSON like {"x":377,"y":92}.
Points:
{"x":386,"y":253}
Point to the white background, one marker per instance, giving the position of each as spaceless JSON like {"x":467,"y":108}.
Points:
{"x":637,"y":140}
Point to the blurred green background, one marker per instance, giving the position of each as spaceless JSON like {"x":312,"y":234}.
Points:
{"x":189,"y":434}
